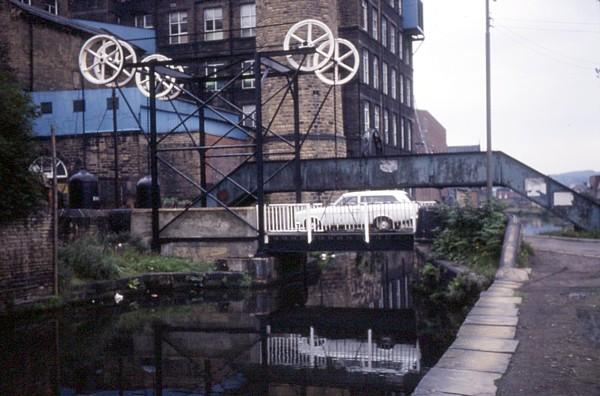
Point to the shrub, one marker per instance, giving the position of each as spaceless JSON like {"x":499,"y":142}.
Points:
{"x":88,"y":258}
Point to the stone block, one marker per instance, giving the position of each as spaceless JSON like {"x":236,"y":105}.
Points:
{"x":485,"y":344}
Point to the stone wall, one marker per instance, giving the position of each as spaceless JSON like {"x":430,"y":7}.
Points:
{"x":26,"y":269}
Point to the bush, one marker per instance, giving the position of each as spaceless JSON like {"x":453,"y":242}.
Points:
{"x":472,"y":236}
{"x":21,"y":191}
{"x":88,"y":258}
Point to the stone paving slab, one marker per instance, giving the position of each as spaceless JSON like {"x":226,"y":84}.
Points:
{"x":512,"y":274}
{"x":498,"y":292}
{"x":485,"y":344}
{"x":507,"y":332}
{"x":503,"y":310}
{"x":494,"y":320}
{"x":462,"y":359}
{"x":492,"y":304}
{"x":500,"y":300}
{"x":507,"y":284}
{"x":459,"y":382}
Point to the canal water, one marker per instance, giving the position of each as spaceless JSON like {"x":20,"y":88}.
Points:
{"x":353,"y":328}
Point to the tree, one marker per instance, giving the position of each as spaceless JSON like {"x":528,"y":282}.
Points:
{"x":20,"y":191}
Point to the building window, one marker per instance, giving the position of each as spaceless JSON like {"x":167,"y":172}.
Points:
{"x":365,"y":15}
{"x":51,"y":6}
{"x":400,"y":7}
{"x":392,"y":3}
{"x":178,"y":28}
{"x":408,"y":134}
{"x":386,"y":126}
{"x":393,"y":83}
{"x":28,"y":2}
{"x":365,"y":66}
{"x":78,"y":106}
{"x":384,"y":37}
{"x":212,"y":73}
{"x":401,"y":47}
{"x":407,"y":53}
{"x":366,"y":117}
{"x":213,"y":24}
{"x":392,"y":39}
{"x":374,"y":30}
{"x":109,"y":104}
{"x":46,"y":107}
{"x":248,"y":75}
{"x":394,"y":129}
{"x":409,"y":92}
{"x":248,"y":20}
{"x":402,"y":94}
{"x":143,"y":21}
{"x":384,"y":78}
{"x":249,"y":116}
{"x":402,"y":128}
{"x":376,"y":119}
{"x":375,"y":72}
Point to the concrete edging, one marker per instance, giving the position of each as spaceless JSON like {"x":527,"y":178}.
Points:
{"x":485,"y":343}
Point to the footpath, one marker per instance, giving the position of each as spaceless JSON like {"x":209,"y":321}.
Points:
{"x":559,"y":322}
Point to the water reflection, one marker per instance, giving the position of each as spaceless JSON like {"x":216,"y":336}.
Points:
{"x":352,"y":332}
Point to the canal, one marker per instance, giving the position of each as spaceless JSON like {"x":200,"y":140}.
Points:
{"x":350,"y":326}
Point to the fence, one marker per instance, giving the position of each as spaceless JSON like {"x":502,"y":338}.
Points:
{"x":368,"y":356}
{"x":316,"y":218}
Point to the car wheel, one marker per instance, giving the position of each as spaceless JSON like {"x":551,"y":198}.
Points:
{"x":383,"y":223}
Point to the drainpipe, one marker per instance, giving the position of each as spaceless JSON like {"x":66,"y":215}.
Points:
{"x":31,"y":75}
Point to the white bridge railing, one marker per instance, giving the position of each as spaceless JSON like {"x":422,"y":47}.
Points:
{"x":316,"y":218}
{"x":355,"y":355}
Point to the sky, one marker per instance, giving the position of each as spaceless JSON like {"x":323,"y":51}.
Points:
{"x":545,"y":87}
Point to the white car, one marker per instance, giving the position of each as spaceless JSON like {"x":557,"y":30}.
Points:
{"x":386,"y":210}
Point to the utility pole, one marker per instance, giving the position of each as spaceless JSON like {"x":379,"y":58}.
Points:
{"x":54,"y":211}
{"x":488,"y":102}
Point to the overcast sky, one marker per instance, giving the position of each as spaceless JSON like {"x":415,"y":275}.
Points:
{"x":545,"y":89}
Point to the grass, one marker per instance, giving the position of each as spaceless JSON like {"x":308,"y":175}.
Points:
{"x":93,"y":257}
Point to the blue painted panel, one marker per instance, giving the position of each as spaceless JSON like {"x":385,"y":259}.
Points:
{"x":99,"y":119}
{"x":143,"y":38}
{"x":412,"y":16}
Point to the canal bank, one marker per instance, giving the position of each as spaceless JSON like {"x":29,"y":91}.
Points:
{"x":485,"y":343}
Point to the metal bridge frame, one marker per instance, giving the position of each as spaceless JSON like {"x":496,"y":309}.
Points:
{"x":264,"y":66}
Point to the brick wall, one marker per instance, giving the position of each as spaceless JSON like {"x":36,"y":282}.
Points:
{"x":133,"y":162}
{"x":44,"y":55}
{"x":26,"y":260}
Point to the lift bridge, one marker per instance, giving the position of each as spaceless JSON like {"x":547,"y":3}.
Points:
{"x":275,"y":228}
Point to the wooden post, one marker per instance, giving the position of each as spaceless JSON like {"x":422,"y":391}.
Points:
{"x":54,"y":211}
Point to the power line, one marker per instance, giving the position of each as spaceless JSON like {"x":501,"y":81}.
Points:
{"x":547,"y":21}
{"x":551,"y":29}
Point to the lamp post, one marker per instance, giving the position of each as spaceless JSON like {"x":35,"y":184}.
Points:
{"x":488,"y":103}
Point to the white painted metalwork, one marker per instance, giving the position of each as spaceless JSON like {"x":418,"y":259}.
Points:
{"x":354,"y":355}
{"x":43,"y":165}
{"x":127,"y":73}
{"x":310,"y":33}
{"x":166,"y":86}
{"x":101,"y":59}
{"x":343,"y":65}
{"x":427,"y":204}
{"x":316,"y":218}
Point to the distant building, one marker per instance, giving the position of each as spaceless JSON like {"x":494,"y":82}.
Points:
{"x":429,"y":137}
{"x":465,"y":196}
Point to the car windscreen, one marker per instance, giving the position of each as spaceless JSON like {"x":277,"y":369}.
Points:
{"x":377,"y":199}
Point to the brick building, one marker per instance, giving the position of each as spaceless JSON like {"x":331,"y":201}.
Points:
{"x":381,"y":97}
{"x":429,"y":137}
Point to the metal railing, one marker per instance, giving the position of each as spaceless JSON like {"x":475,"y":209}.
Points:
{"x":368,"y":356}
{"x":316,"y":218}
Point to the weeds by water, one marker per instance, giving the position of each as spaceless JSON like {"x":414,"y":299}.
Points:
{"x":112,"y":256}
{"x":472,"y":236}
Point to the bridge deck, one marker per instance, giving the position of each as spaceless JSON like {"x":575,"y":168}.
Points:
{"x":340,"y":241}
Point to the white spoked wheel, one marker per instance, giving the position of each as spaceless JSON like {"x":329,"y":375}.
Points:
{"x":163,"y":85}
{"x":343,"y":65}
{"x":128,"y":72}
{"x":101,"y":59}
{"x":309,"y":33}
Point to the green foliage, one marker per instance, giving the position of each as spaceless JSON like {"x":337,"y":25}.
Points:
{"x":21,"y":191}
{"x":525,"y":252}
{"x":113,"y":256}
{"x":472,"y":236}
